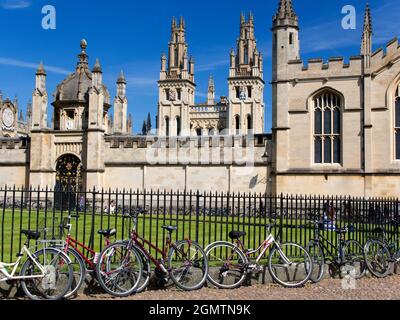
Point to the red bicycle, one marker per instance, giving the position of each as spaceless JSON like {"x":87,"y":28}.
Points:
{"x":120,"y":272}
{"x":84,"y":259}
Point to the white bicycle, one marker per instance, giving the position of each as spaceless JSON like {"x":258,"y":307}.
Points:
{"x":46,"y":274}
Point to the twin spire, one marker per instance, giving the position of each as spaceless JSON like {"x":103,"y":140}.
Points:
{"x":181,"y":24}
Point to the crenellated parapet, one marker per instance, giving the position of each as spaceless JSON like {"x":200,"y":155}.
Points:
{"x":384,"y":58}
{"x":141,"y":142}
{"x":21,"y":143}
{"x":318,"y":68}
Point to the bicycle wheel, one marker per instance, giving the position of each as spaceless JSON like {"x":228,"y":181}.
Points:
{"x":290,"y":265}
{"x":146,"y":274}
{"x":377,"y":258}
{"x":79,"y":270}
{"x":56,"y":280}
{"x":188,"y":265}
{"x":119,"y":269}
{"x":353,"y":253}
{"x":226,"y":265}
{"x":318,"y":261}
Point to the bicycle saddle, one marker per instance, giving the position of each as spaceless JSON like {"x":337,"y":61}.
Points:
{"x":170,"y":228}
{"x":32,"y":235}
{"x":107,"y":233}
{"x":379,"y":230}
{"x":236,"y":235}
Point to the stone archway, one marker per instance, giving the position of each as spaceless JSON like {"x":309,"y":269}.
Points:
{"x":68,"y":181}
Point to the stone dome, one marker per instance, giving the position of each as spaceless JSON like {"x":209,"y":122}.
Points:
{"x":75,"y":88}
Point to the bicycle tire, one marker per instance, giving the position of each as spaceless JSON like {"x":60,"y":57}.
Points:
{"x":52,"y":277}
{"x":353,"y":252}
{"x":301,"y":261}
{"x":146,"y":274}
{"x":77,"y":282}
{"x":113,"y":284}
{"x":318,"y":261}
{"x":221,"y":270}
{"x":180,"y":278}
{"x":377,"y":258}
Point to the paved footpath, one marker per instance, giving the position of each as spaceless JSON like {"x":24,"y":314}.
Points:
{"x":365,"y":289}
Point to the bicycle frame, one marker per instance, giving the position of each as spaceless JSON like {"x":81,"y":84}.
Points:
{"x":11,"y":276}
{"x":75,"y":244}
{"x":263,"y":248}
{"x":325,"y":244}
{"x":141,"y":242}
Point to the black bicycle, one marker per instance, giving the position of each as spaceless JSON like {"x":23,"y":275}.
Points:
{"x":382,"y":253}
{"x":346,"y":257}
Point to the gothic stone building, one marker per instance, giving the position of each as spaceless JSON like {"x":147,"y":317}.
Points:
{"x":336,"y":125}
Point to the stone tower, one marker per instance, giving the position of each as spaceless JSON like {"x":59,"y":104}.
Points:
{"x":176,"y":85}
{"x":121,"y":107}
{"x":285,"y":33}
{"x":40,"y":98}
{"x":246,"y":84}
{"x":96,"y":129}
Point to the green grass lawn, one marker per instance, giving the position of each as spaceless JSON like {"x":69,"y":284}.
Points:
{"x":210,"y":229}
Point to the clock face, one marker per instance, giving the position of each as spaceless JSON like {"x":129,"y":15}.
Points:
{"x":8,"y":117}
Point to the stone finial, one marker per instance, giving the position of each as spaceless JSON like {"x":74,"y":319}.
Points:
{"x":173,"y":24}
{"x":366,"y":40}
{"x":40,"y":71}
{"x":251,"y":17}
{"x":121,"y":78}
{"x":211,"y":83}
{"x":368,"y":20}
{"x":83,"y":57}
{"x":83,"y":44}
{"x":242,"y":18}
{"x":97,"y":67}
{"x":285,"y":16}
{"x":182,"y":23}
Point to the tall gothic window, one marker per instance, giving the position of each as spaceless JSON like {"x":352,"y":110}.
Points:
{"x":397,"y":125}
{"x":249,"y":123}
{"x":237,"y":124}
{"x":178,"y":126}
{"x":327,"y":128}
{"x":167,"y":126}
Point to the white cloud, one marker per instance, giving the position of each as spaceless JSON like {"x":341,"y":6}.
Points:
{"x":211,"y":66}
{"x":15,"y":4}
{"x":141,"y":81}
{"x":29,"y":65}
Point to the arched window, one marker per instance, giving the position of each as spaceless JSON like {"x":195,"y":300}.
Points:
{"x":327,"y":128}
{"x":246,"y":55}
{"x":249,"y":124}
{"x":176,"y":57}
{"x":167,"y":126}
{"x":397,"y":124}
{"x":199,"y":132}
{"x":178,"y":126}
{"x":237,"y":124}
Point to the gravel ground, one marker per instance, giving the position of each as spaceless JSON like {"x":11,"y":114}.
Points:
{"x":365,"y":289}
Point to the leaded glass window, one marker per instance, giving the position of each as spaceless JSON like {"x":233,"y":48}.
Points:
{"x":327,"y":128}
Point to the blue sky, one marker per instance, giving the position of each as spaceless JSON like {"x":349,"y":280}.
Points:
{"x":131,"y":35}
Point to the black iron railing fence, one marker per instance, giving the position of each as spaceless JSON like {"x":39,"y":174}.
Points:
{"x":203,"y":217}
